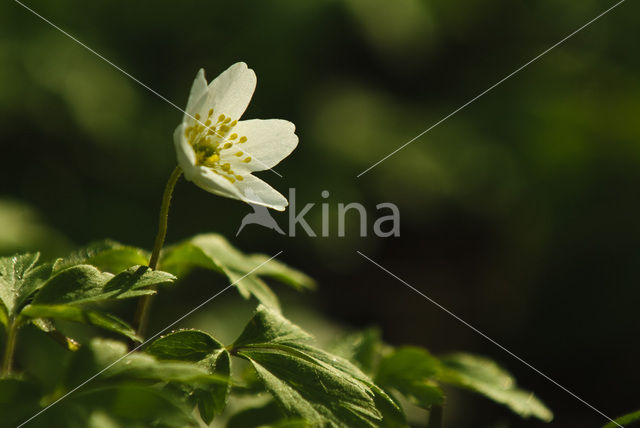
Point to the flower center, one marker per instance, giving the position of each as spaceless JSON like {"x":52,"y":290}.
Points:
{"x":209,"y":139}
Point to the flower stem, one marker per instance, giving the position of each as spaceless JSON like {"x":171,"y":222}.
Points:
{"x":7,"y":360}
{"x":144,"y":304}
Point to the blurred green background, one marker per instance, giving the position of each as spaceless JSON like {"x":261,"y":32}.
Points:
{"x":519,"y":214}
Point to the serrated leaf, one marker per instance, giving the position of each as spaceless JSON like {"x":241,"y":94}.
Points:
{"x":112,"y":359}
{"x":313,"y":391}
{"x":220,"y":250}
{"x":270,"y":327}
{"x":392,"y":414}
{"x":20,"y":277}
{"x":484,"y":376}
{"x":306,"y":381}
{"x":624,"y":420}
{"x":201,"y":348}
{"x":85,"y":283}
{"x":73,"y":284}
{"x":106,"y":255}
{"x":185,"y":345}
{"x":224,"y":254}
{"x":410,"y":371}
{"x":135,"y":281}
{"x":214,"y":252}
{"x":81,"y":315}
{"x":180,"y":259}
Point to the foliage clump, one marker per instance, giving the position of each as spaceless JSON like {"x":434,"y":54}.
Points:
{"x":185,"y":377}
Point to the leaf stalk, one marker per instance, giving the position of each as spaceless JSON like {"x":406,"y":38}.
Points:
{"x":7,"y":360}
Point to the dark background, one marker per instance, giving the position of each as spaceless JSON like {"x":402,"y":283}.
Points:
{"x":519,"y":213}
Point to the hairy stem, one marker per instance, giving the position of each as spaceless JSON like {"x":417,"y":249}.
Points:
{"x":7,"y":360}
{"x":144,"y":304}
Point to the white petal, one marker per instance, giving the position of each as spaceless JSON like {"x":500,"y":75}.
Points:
{"x":268,"y":142}
{"x":256,"y":191}
{"x":227,"y":94}
{"x":214,"y":183}
{"x":251,"y":189}
{"x":198,"y":91}
{"x":184,"y":152}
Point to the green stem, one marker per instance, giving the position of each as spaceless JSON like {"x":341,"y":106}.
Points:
{"x":144,"y":304}
{"x":7,"y":360}
{"x":435,"y":417}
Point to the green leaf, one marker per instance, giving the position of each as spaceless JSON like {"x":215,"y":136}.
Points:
{"x":269,"y":327}
{"x":363,"y":348}
{"x":134,"y":406}
{"x":4,"y":318}
{"x":266,"y":414}
{"x":107,"y":255}
{"x":624,"y":420}
{"x":205,"y":380}
{"x":249,"y":285}
{"x":20,"y":277}
{"x":85,"y":283}
{"x":119,"y":365}
{"x":201,"y":348}
{"x":134,"y":282}
{"x":307,"y":382}
{"x":81,"y":315}
{"x":214,"y":252}
{"x":207,"y":250}
{"x":185,"y":345}
{"x":280,"y":271}
{"x":72,"y":285}
{"x":392,"y":414}
{"x":485,"y":377}
{"x":410,"y":370}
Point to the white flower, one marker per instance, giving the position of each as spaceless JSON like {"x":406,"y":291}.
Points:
{"x":218,"y":152}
